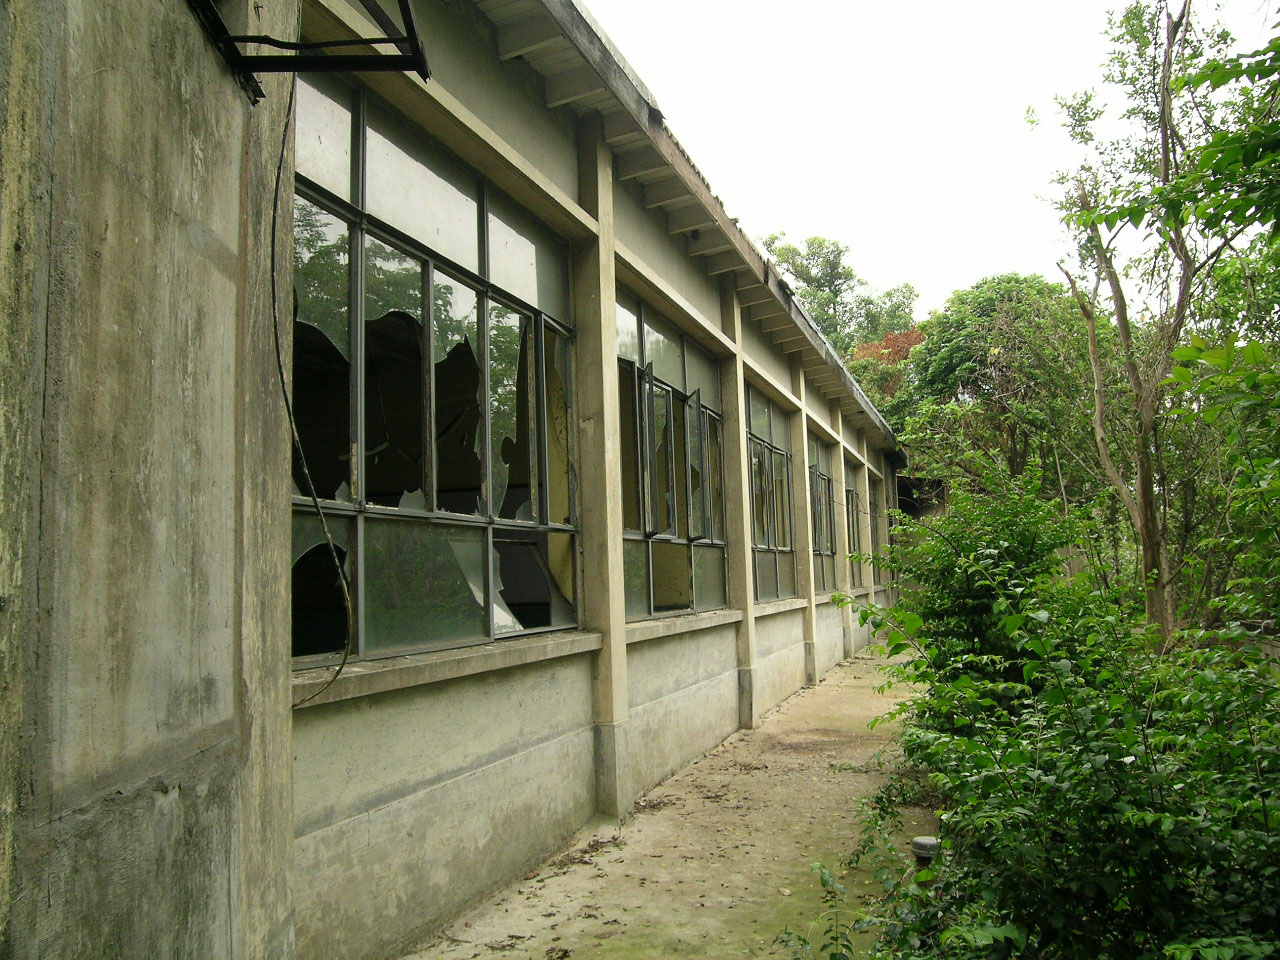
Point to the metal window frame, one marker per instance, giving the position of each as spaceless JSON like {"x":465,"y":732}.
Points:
{"x":361,"y":227}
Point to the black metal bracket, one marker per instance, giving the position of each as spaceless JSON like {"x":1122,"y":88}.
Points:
{"x":308,"y":56}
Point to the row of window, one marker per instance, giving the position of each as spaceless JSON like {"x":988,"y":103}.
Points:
{"x":432,"y":396}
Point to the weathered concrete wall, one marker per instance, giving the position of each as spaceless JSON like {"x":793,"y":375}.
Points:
{"x":828,"y":640}
{"x":761,"y":351}
{"x":780,"y":657}
{"x":644,"y":233}
{"x":507,"y":97}
{"x":411,"y":804}
{"x":683,"y":699}
{"x":154,"y":693}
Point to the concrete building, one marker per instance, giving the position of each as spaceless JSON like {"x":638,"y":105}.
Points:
{"x":588,"y":474}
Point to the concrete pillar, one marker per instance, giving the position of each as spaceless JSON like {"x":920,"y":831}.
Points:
{"x":844,"y":582}
{"x":802,"y":526}
{"x":599,"y":477}
{"x":737,"y":505}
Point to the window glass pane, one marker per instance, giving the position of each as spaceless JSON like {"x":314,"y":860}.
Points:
{"x":630,"y":446}
{"x":526,"y":258}
{"x":698,"y":525}
{"x":321,"y":352}
{"x":715,"y":475}
{"x":761,"y":498}
{"x":395,"y":384}
{"x":415,"y":187}
{"x":319,"y":609}
{"x":829,"y":566}
{"x":322,"y":146}
{"x":559,"y":379}
{"x":780,"y":422}
{"x":662,"y":349}
{"x":782,"y":498}
{"x":533,"y":580}
{"x":458,"y":439}
{"x":708,"y":577}
{"x":759,"y":415}
{"x":766,"y":575}
{"x":704,"y":375}
{"x":672,"y":577}
{"x":512,"y":397}
{"x":680,"y":465}
{"x":635,"y":568}
{"x":786,"y":575}
{"x":628,"y":328}
{"x":423,"y":584}
{"x":661,"y":460}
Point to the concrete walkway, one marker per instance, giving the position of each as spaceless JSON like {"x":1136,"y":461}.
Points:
{"x":718,"y":859}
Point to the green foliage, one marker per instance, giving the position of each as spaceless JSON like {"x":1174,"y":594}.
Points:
{"x":836,"y":297}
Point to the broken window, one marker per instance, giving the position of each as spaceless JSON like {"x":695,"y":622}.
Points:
{"x":321,"y":353}
{"x":671,"y":464}
{"x":768,"y":440}
{"x":822,"y":516}
{"x":433,"y":401}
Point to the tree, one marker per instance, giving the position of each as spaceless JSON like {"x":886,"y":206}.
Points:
{"x":835,"y":296}
{"x":1151,"y":294}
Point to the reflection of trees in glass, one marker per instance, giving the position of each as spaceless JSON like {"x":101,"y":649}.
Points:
{"x":459,"y":453}
{"x":320,"y":251}
{"x":392,"y":281}
{"x":510,"y":412}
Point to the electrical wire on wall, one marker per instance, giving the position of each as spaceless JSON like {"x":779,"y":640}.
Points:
{"x":288,"y":406}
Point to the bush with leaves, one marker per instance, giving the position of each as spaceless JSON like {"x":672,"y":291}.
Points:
{"x":1107,"y":793}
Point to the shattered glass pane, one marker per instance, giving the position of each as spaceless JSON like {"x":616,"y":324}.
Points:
{"x":458,"y":439}
{"x":708,"y":577}
{"x":628,"y":329}
{"x":526,"y":258}
{"x":319,"y":610}
{"x":512,"y":400}
{"x":662,"y":349}
{"x":321,"y":352}
{"x":635,"y":570}
{"x":672,"y":577}
{"x":423,"y":584}
{"x":559,"y":380}
{"x":533,"y":580}
{"x":413,"y":185}
{"x":395,"y":386}
{"x":630,"y":446}
{"x":322,"y":146}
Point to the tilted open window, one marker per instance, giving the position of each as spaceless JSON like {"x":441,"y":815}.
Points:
{"x":672,"y":478}
{"x":432,"y":391}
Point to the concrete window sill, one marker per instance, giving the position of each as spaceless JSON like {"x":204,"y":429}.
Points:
{"x":395,"y":673}
{"x":780,"y":606}
{"x":669,"y":626}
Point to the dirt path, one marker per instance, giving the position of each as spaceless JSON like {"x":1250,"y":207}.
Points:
{"x":718,"y":859}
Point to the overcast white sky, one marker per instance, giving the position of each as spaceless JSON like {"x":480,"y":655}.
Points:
{"x":895,"y":127}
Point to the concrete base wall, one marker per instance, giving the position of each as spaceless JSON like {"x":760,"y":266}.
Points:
{"x":412,"y":804}
{"x":828,"y":641}
{"x":683,"y":700}
{"x":779,"y":668}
